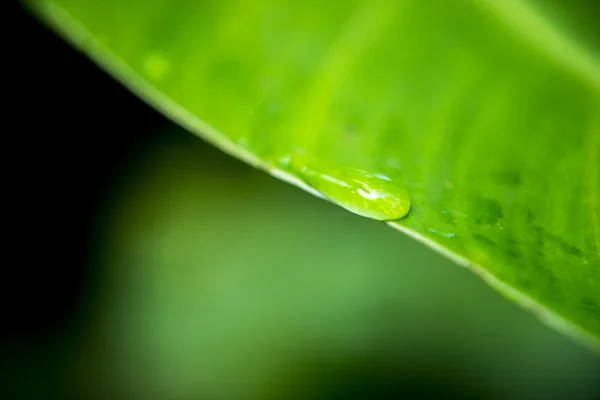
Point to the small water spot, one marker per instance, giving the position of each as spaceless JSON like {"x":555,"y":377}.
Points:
{"x":444,"y":234}
{"x":156,"y":66}
{"x":456,"y":213}
{"x":371,"y":195}
{"x":488,"y":211}
{"x":284,"y":161}
{"x":293,"y":160}
{"x":243,"y":142}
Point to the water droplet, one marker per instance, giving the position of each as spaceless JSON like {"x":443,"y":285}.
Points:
{"x":243,"y":142}
{"x":364,"y":193}
{"x":156,"y":66}
{"x":284,"y":161}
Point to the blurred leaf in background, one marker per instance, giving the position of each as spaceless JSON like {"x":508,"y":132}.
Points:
{"x":284,"y":296}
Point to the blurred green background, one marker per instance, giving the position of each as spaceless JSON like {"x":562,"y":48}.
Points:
{"x":226,"y":283}
{"x":185,"y":274}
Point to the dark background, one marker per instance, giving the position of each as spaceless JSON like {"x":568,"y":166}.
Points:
{"x":68,"y":128}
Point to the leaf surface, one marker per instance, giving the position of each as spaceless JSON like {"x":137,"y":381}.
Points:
{"x":482,"y":117}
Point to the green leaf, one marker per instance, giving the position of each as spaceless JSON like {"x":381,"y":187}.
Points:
{"x":483,"y":115}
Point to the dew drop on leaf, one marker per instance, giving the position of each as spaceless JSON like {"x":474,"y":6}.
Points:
{"x":364,"y":193}
{"x":156,"y":66}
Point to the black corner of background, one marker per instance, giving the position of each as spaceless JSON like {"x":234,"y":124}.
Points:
{"x":67,"y":128}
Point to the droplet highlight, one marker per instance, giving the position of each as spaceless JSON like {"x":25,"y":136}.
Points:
{"x":440,"y":233}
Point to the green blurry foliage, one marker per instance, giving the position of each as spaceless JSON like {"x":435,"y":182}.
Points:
{"x":284,"y":296}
